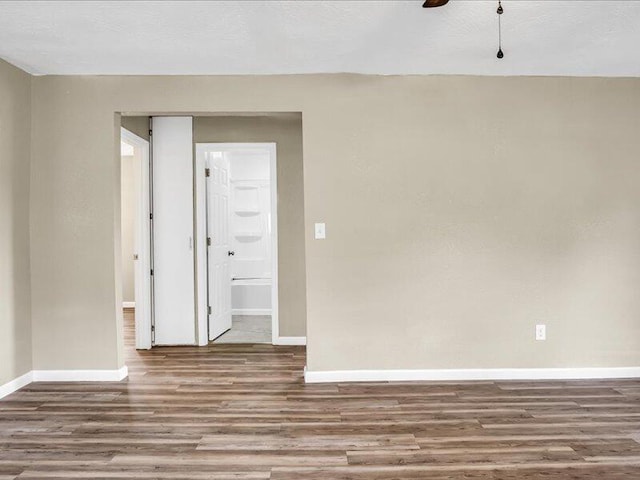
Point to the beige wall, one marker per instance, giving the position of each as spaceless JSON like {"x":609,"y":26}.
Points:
{"x":286,"y":131}
{"x":127,"y":222}
{"x":137,"y":125}
{"x":460,"y":212}
{"x":15,"y":297}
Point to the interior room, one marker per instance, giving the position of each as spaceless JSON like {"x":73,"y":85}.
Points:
{"x":375,"y":240}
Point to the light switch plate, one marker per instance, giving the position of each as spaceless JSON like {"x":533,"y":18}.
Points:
{"x":541,"y":332}
{"x":320,"y":231}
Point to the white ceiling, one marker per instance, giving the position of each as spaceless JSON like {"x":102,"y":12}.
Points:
{"x":542,"y":37}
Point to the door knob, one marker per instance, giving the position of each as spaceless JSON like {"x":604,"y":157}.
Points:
{"x":231,"y":253}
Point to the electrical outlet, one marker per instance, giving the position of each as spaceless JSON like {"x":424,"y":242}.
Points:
{"x":541,"y":332}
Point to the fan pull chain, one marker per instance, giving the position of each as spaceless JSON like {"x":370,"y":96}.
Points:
{"x":500,"y":12}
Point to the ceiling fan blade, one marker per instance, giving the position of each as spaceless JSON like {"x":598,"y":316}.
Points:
{"x":434,"y":3}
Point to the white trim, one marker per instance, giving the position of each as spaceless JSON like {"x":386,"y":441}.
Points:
{"x":201,"y":260}
{"x":16,"y":384}
{"x":471,"y":374}
{"x":80,"y":375}
{"x":63,"y":376}
{"x":202,"y":317}
{"x":250,"y":311}
{"x":142,"y":246}
{"x":273,"y":180}
{"x":290,"y":341}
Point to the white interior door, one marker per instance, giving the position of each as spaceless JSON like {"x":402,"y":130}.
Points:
{"x":141,"y":243}
{"x":173,"y":248}
{"x":219,"y":248}
{"x":142,"y":238}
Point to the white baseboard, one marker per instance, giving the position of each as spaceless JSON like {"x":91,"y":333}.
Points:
{"x":16,"y":384}
{"x":251,"y":311}
{"x":63,"y":376}
{"x":471,"y":374}
{"x":80,"y":375}
{"x":291,"y":341}
{"x":128,"y":304}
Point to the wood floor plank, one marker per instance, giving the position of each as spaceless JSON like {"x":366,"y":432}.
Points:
{"x":243,"y":412}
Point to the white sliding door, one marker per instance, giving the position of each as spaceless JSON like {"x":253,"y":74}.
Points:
{"x":173,"y":245}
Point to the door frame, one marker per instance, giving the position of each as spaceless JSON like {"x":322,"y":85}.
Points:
{"x":142,"y":242}
{"x":201,"y":232}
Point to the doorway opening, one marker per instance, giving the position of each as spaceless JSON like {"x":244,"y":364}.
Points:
{"x":237,"y":195}
{"x":210,"y":271}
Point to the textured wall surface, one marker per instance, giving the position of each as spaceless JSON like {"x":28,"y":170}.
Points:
{"x":15,"y":296}
{"x":460,"y":212}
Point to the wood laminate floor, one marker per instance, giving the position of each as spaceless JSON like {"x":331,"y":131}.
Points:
{"x":243,"y":412}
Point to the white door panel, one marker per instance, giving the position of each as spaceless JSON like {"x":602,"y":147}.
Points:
{"x":218,"y":255}
{"x":173,"y":282}
{"x":142,"y":239}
